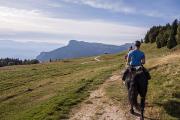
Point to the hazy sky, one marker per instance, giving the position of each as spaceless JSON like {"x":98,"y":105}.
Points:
{"x":107,"y":21}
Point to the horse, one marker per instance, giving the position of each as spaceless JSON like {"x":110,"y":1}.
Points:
{"x":137,"y":83}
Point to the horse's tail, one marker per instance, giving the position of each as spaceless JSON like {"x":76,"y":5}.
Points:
{"x":133,"y":93}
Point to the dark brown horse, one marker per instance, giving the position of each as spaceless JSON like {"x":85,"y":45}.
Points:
{"x":137,"y":83}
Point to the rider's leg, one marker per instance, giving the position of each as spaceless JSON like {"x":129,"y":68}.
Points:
{"x":147,"y":74}
{"x":125,"y":74}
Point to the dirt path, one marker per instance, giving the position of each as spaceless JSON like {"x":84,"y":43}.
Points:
{"x":96,"y":59}
{"x":98,"y":106}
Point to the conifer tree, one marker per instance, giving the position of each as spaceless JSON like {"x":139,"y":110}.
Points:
{"x":159,"y":40}
{"x":171,"y":41}
{"x":174,"y":27}
{"x":178,"y":34}
{"x":146,"y":39}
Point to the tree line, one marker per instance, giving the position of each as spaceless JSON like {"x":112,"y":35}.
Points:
{"x":164,"y":36}
{"x":12,"y":61}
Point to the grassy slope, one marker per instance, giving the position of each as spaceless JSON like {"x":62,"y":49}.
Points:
{"x":163,"y":98}
{"x":48,"y":91}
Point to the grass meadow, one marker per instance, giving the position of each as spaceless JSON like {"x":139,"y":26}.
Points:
{"x":50,"y":90}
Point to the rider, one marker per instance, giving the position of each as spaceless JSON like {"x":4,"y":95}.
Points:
{"x":130,"y":48}
{"x":136,"y":58}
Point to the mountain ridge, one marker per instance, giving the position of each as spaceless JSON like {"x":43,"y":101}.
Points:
{"x":76,"y":49}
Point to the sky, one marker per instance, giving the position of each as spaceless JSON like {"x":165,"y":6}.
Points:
{"x":106,"y":21}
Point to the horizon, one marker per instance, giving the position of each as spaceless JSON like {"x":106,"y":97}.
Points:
{"x":31,"y":49}
{"x":58,"y":43}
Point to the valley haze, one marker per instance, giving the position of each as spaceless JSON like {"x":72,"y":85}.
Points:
{"x":24,"y":50}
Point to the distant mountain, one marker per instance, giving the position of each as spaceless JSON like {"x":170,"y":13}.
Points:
{"x":77,"y":49}
{"x":24,"y":50}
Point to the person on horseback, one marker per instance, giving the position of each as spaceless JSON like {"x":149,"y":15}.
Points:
{"x":136,"y":78}
{"x":136,"y":58}
{"x":130,"y":48}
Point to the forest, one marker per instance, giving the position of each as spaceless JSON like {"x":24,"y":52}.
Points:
{"x":164,"y":36}
{"x":13,"y":61}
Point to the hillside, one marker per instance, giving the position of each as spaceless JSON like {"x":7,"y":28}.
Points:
{"x":76,"y":49}
{"x":51,"y":90}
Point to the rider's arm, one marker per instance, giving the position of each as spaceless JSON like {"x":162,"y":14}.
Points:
{"x":128,"y":60}
{"x":143,"y":61}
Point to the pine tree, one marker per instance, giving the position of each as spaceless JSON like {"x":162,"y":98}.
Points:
{"x":146,"y":39}
{"x":174,"y":27}
{"x":159,"y":40}
{"x":158,"y":43}
{"x":178,"y":34}
{"x":165,"y":37}
{"x":172,"y":41}
{"x":153,"y":33}
{"x":165,"y":34}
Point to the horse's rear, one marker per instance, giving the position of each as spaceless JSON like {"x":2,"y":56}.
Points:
{"x":137,"y":84}
{"x":142,"y":84}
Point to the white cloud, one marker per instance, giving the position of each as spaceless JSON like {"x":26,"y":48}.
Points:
{"x":153,"y":13}
{"x":121,"y":7}
{"x":6,"y":11}
{"x":20,"y":20}
{"x":55,"y":5}
{"x":105,"y":4}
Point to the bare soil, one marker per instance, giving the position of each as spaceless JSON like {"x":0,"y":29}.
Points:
{"x":98,"y":106}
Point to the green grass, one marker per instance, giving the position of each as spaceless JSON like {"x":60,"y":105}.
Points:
{"x":163,"y":98}
{"x":48,"y":91}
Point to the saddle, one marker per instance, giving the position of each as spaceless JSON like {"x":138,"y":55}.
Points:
{"x":141,"y":69}
{"x":136,"y":70}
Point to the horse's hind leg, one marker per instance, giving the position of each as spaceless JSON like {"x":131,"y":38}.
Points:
{"x":142,"y":107}
{"x":132,"y":110}
{"x":131,"y":104}
{"x":131,"y":101}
